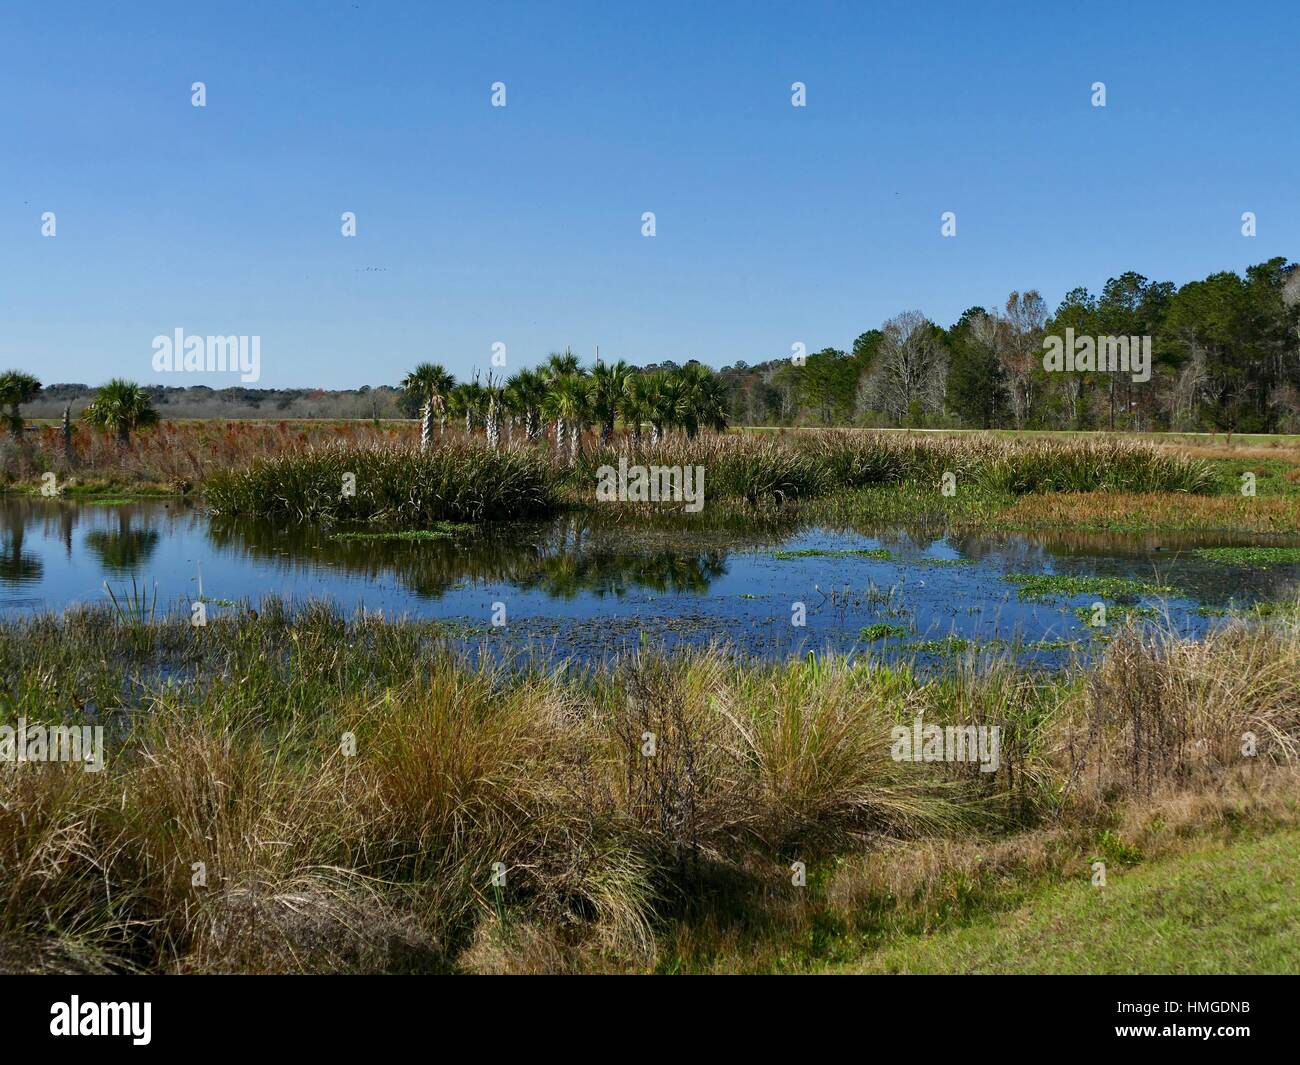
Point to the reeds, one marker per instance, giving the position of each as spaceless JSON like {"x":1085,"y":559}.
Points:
{"x":389,"y":484}
{"x":290,"y":792}
{"x":778,"y":468}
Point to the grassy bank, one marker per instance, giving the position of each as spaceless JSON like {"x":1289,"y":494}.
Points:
{"x":1221,"y":908}
{"x":1094,"y":482}
{"x":466,"y":480}
{"x":349,"y":790}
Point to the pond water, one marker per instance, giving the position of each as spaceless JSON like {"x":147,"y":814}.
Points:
{"x":582,"y":587}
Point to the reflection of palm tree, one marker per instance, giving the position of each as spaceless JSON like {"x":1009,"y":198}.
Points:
{"x":559,"y":558}
{"x":123,"y":551}
{"x":16,"y":567}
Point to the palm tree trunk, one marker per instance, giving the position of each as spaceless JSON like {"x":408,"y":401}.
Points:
{"x":656,"y":434}
{"x":573,"y":442}
{"x":67,"y":432}
{"x":606,"y":431}
{"x":123,"y":435}
{"x":15,"y":422}
{"x":426,"y":427}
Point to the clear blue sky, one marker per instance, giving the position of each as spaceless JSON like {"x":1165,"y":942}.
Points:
{"x":523,"y":224}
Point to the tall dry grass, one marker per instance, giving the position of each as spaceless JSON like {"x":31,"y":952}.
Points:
{"x":308,"y":793}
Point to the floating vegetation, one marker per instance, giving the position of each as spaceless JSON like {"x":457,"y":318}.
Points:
{"x":1042,"y":586}
{"x":444,"y":530}
{"x":1251,"y":556}
{"x":1116,"y":614}
{"x":882,"y":631}
{"x":880,"y":554}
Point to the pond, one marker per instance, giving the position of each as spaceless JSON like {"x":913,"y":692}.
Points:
{"x":583,"y":587}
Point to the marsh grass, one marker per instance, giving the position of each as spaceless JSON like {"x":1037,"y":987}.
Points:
{"x":395,"y":485}
{"x":814,"y":463}
{"x":228,"y":746}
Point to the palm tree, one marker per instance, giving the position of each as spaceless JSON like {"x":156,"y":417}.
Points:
{"x":566,"y":402}
{"x":121,"y":406}
{"x":527,"y":391}
{"x":17,"y":388}
{"x":558,"y":366}
{"x":430,"y":382}
{"x":711,"y":403}
{"x":606,"y":395}
{"x":703,"y":399}
{"x":494,"y":402}
{"x":456,"y":404}
{"x":665,"y":404}
{"x":634,"y":405}
{"x":476,"y":401}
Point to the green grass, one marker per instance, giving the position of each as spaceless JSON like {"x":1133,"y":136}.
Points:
{"x":224,"y":746}
{"x":1226,"y":909}
{"x":1042,"y":586}
{"x":882,"y":631}
{"x":1251,"y":556}
{"x":880,"y":554}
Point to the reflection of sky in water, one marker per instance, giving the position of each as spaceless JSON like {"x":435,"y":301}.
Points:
{"x":576,"y":586}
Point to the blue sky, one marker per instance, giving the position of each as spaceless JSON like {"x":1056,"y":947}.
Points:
{"x":522,"y":224}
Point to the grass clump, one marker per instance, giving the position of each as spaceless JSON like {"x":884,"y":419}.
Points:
{"x":394,"y":485}
{"x":884,"y":631}
{"x":350,"y":786}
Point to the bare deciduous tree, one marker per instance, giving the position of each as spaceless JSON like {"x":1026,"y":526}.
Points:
{"x":1021,"y":349}
{"x":911,"y":367}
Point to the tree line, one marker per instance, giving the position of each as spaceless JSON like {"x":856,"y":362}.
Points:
{"x":572,"y":398}
{"x":1225,"y":357}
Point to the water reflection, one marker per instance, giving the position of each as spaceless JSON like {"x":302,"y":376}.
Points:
{"x":17,"y":567}
{"x":124,"y":550}
{"x":562,"y":559}
{"x":587,"y":581}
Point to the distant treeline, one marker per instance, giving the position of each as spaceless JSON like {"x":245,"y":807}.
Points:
{"x":200,"y":401}
{"x":1225,"y":356}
